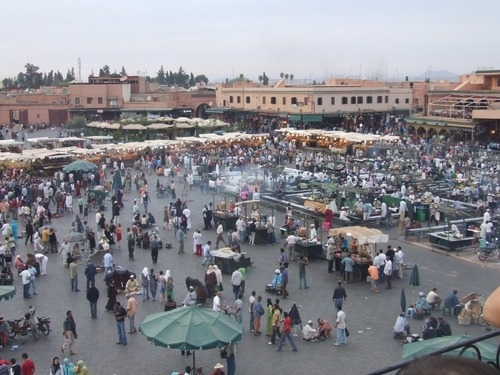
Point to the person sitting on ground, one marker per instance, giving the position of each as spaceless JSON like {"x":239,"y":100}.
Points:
{"x":429,"y":328}
{"x":401,"y":328}
{"x":324,"y":329}
{"x":276,"y":279}
{"x":422,"y":307}
{"x":191,"y":297}
{"x":434,"y":299}
{"x":451,"y":302}
{"x":308,"y":332}
{"x":443,"y":328}
{"x":132,"y":285}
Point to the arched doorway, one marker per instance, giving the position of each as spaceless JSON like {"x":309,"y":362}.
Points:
{"x":200,"y":111}
{"x":431,"y":133}
{"x":421,"y":132}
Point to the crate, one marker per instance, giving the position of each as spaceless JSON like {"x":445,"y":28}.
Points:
{"x":470,"y":297}
{"x":464,"y":321}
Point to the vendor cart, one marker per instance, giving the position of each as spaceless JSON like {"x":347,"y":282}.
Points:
{"x":229,"y":261}
{"x":96,"y":198}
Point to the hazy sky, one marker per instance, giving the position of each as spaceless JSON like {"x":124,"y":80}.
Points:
{"x":310,"y":39}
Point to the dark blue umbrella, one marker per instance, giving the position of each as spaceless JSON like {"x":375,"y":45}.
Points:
{"x":414,"y":280}
{"x":403,"y":300}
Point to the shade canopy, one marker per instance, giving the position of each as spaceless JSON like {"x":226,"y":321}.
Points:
{"x":74,"y":237}
{"x":362,"y":234}
{"x":415,"y":276}
{"x":7,"y":292}
{"x":80,"y":165}
{"x":487,"y":349}
{"x":191,"y":328}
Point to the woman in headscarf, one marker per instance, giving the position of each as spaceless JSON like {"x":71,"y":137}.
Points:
{"x":169,"y":285}
{"x":211,"y":281}
{"x":19,"y":264}
{"x":269,"y":317}
{"x":145,"y":283}
{"x":153,"y":283}
{"x":55,"y":368}
{"x":80,"y":368}
{"x":67,"y":367}
{"x":110,"y":306}
{"x":218,"y":274}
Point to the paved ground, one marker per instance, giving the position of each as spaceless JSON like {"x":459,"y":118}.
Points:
{"x":370,"y":317}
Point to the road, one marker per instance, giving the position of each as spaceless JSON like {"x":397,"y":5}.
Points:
{"x":370,"y":317}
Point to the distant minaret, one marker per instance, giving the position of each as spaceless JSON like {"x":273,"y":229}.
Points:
{"x":79,"y":61}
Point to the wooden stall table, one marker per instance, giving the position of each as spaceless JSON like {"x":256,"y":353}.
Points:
{"x":309,"y":249}
{"x":446,"y":241}
{"x":229,"y":261}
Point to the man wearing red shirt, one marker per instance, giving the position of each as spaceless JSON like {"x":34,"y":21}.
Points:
{"x":285,"y":334}
{"x":28,"y":367}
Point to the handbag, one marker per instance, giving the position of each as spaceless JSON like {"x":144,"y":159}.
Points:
{"x":223,"y":353}
{"x":347,"y":333}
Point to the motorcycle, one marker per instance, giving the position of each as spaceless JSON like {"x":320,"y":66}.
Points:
{"x":489,"y":251}
{"x":30,"y":323}
{"x":42,"y":323}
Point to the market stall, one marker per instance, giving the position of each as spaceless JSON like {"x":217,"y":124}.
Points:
{"x":229,"y":261}
{"x":362,"y":247}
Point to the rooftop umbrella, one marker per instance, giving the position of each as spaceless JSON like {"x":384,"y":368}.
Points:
{"x":487,"y":350}
{"x":414,"y":280}
{"x":7,"y":292}
{"x":80,"y":165}
{"x":191,"y":328}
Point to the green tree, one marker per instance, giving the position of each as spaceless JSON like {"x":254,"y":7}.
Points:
{"x":70,"y":75}
{"x":291,"y":77}
{"x":192,"y":82}
{"x":160,"y":76}
{"x":265,"y":79}
{"x":286,"y":76}
{"x":282,"y":75}
{"x":201,"y":78}
{"x":123,"y":72}
{"x":104,"y":71}
{"x":58,"y":79}
{"x":260,"y":79}
{"x":8,"y":83}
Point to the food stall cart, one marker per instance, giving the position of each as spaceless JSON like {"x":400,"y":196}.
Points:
{"x":363,"y":247}
{"x":229,"y":261}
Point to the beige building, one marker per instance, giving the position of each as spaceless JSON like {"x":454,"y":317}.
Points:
{"x":312,"y":103}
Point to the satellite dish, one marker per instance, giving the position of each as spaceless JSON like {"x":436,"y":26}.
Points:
{"x":148,"y":98}
{"x":210,"y":103}
{"x":123,"y":79}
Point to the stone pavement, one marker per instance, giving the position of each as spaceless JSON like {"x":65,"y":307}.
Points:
{"x":370,"y":317}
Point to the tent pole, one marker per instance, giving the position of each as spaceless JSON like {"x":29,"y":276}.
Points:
{"x":194,"y":361}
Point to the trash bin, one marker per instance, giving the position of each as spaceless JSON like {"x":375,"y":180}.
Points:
{"x":421,"y":216}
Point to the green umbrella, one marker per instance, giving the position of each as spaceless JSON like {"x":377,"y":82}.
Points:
{"x":414,"y":280}
{"x":7,"y":292}
{"x":80,"y":165}
{"x":487,"y":349}
{"x":191,"y":328}
{"x":403,"y":300}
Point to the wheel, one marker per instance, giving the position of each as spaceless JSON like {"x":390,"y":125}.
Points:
{"x":356,"y":275}
{"x":35,"y":332}
{"x":45,"y":328}
{"x":12,"y":334}
{"x":481,"y":321}
{"x":482,"y":255}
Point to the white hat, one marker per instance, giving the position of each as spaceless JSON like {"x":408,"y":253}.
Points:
{"x":218,"y":365}
{"x":277,"y":271}
{"x":310,"y":322}
{"x":421,"y":294}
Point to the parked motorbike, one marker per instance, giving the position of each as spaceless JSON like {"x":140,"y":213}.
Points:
{"x":42,"y":323}
{"x":21,"y":327}
{"x":489,"y":251}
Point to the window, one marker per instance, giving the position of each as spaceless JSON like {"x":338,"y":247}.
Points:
{"x":407,"y":100}
{"x":89,"y":100}
{"x":77,"y":101}
{"x":387,"y":99}
{"x":320,"y":101}
{"x":353,"y":100}
{"x":284,"y":100}
{"x":247,"y":100}
{"x":369,"y":100}
{"x":263,"y":100}
{"x":99,"y":100}
{"x":294,"y":101}
{"x":379,"y":99}
{"x":396,"y":100}
{"x":238,"y":99}
{"x":273,"y":100}
{"x":344,"y":100}
{"x":306,"y":101}
{"x":224,"y":103}
{"x":360,"y":100}
{"x":231,"y":99}
{"x":332,"y":100}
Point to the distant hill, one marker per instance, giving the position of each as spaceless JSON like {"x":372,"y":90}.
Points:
{"x":437,"y":75}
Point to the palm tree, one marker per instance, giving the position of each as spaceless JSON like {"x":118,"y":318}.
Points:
{"x":291,"y":78}
{"x":286,"y":76}
{"x":282,"y":75}
{"x":260,"y":79}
